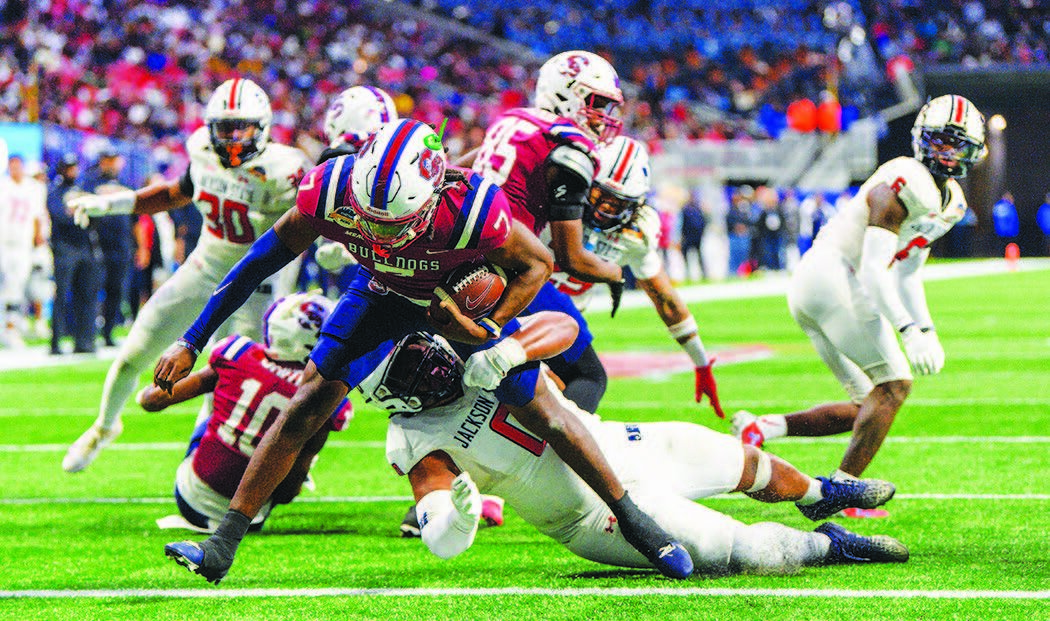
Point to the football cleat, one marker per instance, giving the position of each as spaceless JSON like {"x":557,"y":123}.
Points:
{"x":410,"y":525}
{"x":858,"y":513}
{"x":89,"y":445}
{"x":192,"y":556}
{"x":745,"y":427}
{"x":674,"y":561}
{"x":840,"y":494}
{"x":491,"y":510}
{"x":847,"y":547}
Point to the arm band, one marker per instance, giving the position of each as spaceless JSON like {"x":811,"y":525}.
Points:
{"x":880,"y":246}
{"x":693,"y":345}
{"x":445,"y":532}
{"x":265,"y":257}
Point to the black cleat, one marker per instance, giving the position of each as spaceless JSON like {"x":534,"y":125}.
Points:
{"x":410,"y":525}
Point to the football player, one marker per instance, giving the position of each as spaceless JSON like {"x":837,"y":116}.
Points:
{"x":621,"y":228}
{"x":241,"y":182}
{"x":409,"y":222}
{"x":252,"y":383}
{"x":453,"y":436}
{"x":544,"y":158}
{"x":24,"y":226}
{"x":354,"y":116}
{"x":859,"y":285}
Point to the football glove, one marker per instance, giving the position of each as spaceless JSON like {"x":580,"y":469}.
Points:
{"x":467,"y":501}
{"x":333,"y":256}
{"x":705,"y":385}
{"x":616,"y":291}
{"x":923,"y":349}
{"x":646,"y":222}
{"x":87,"y":206}
{"x":486,"y":369}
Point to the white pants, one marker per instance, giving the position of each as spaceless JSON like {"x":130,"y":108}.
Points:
{"x":15,"y":266}
{"x":206,"y":501}
{"x":852,"y":338}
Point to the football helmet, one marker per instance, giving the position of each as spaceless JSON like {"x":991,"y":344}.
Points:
{"x":396,"y":183}
{"x":584,"y":88}
{"x":292,"y":325}
{"x":238,"y":117}
{"x":421,"y":372}
{"x":357,"y":113}
{"x":620,"y":186}
{"x":948,"y":136}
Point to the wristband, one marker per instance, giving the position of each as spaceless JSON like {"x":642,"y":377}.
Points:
{"x":491,"y":327}
{"x":188,"y":345}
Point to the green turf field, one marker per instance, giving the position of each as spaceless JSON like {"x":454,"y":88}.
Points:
{"x":969,"y":454}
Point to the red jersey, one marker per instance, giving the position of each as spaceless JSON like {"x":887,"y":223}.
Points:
{"x":514,"y":154}
{"x":470,"y":220}
{"x":251,"y":392}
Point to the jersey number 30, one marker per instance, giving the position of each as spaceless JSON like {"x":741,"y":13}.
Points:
{"x":228,"y":219}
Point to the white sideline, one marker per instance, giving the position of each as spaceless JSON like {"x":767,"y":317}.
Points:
{"x":161,"y":500}
{"x":378,"y":444}
{"x":488,"y":592}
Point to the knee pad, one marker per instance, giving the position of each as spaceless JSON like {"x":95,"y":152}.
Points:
{"x":763,"y":473}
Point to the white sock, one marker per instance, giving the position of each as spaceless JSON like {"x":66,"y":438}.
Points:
{"x":813,"y":494}
{"x":840,"y":475}
{"x":773,"y":426}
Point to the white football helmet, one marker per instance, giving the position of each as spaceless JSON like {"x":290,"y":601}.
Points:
{"x":357,"y":113}
{"x":948,"y":136}
{"x":292,"y":325}
{"x":620,"y":185}
{"x":396,"y":184}
{"x":584,"y":88}
{"x":238,"y":117}
{"x":420,"y":372}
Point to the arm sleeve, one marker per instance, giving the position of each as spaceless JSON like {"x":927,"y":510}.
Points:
{"x":265,"y":257}
{"x":572,"y":172}
{"x":186,"y":183}
{"x":912,"y":292}
{"x":445,"y":532}
{"x":880,"y":245}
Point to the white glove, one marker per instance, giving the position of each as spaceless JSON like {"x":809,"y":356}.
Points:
{"x":467,"y":501}
{"x":924,"y":350}
{"x":87,"y":206}
{"x":643,"y":233}
{"x":332,"y":256}
{"x":486,"y":369}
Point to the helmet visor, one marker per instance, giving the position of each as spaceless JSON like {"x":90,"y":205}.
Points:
{"x":609,"y":210}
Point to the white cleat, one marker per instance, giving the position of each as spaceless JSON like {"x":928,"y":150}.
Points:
{"x":89,"y":445}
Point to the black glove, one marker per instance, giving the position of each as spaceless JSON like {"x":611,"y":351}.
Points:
{"x":646,"y":536}
{"x":616,"y":290}
{"x":212,"y":557}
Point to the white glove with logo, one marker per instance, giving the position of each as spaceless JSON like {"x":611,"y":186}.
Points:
{"x":88,"y":206}
{"x":486,"y":369}
{"x":333,"y":256}
{"x":924,"y":350}
{"x":643,"y":233}
{"x":467,"y":500}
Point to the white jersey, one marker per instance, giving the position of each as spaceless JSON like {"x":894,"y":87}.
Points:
{"x":930,"y":213}
{"x":22,"y":205}
{"x":240,"y":204}
{"x":643,"y":260}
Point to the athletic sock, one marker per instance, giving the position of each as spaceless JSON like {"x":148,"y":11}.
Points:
{"x":813,"y":494}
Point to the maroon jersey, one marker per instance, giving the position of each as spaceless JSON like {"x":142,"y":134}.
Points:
{"x":470,"y":220}
{"x":513,"y":155}
{"x":251,"y":392}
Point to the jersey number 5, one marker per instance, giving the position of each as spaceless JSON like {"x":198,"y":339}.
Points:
{"x":498,"y":153}
{"x":228,"y":219}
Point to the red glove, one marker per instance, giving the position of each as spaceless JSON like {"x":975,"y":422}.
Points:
{"x":705,"y":385}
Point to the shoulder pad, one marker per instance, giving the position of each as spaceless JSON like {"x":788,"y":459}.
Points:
{"x":573,"y":159}
{"x":199,"y":141}
{"x":232,"y":347}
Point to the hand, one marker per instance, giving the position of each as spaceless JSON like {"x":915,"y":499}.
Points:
{"x":467,"y":501}
{"x":923,"y":349}
{"x":333,"y":256}
{"x":175,"y":364}
{"x":87,"y":206}
{"x":705,"y":385}
{"x":646,"y":222}
{"x":486,"y":369}
{"x":454,"y":325}
{"x":616,"y":291}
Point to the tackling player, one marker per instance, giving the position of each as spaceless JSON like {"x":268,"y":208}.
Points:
{"x":409,"y":222}
{"x":242,"y":183}
{"x":860,"y":284}
{"x":446,"y":435}
{"x":622,"y":229}
{"x":252,"y":383}
{"x":544,"y":159}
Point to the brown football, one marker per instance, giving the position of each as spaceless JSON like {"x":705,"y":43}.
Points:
{"x":474,"y":287}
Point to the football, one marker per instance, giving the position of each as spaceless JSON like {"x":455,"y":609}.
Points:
{"x":475,"y":288}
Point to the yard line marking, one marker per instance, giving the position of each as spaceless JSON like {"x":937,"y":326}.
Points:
{"x":784,"y":404}
{"x":488,"y":592}
{"x":161,"y":500}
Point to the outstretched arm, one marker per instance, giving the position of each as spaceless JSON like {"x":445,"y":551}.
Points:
{"x":154,"y":198}
{"x":153,"y":399}
{"x":447,"y":502}
{"x":542,"y":335}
